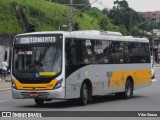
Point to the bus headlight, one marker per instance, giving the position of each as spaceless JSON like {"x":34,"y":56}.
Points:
{"x":58,"y":84}
{"x":13,"y":85}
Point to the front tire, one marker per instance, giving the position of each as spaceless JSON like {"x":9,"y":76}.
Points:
{"x":84,"y":95}
{"x":39,"y":102}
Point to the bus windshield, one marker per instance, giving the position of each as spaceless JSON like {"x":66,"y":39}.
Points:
{"x":37,"y":60}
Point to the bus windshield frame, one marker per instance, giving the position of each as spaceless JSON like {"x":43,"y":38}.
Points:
{"x":37,"y":57}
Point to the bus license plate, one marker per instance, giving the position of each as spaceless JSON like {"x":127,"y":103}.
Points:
{"x":34,"y":94}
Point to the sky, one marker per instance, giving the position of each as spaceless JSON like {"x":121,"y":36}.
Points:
{"x":137,"y":5}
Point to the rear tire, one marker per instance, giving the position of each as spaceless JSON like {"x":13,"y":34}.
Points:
{"x":39,"y":102}
{"x":128,"y":90}
{"x":128,"y":93}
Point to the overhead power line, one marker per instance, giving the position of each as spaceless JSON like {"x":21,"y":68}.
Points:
{"x":70,"y":21}
{"x":89,"y":5}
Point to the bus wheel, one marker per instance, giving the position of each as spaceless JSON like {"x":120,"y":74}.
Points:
{"x":84,"y":94}
{"x":39,"y":102}
{"x":128,"y":90}
{"x":128,"y":93}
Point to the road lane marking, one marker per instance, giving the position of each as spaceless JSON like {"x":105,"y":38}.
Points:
{"x":3,"y":101}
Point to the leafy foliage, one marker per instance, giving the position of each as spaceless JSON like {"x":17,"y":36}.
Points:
{"x":49,"y":16}
{"x":45,"y":15}
{"x":128,"y":19}
{"x":80,"y":3}
{"x":76,"y":26}
{"x":104,"y":22}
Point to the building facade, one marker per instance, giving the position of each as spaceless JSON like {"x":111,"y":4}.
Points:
{"x":153,"y":15}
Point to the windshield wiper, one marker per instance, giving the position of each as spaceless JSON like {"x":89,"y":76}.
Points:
{"x":41,"y":56}
{"x":55,"y":55}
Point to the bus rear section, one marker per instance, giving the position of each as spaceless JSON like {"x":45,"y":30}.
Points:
{"x":99,"y":65}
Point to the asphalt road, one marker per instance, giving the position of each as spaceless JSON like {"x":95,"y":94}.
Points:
{"x":145,"y":99}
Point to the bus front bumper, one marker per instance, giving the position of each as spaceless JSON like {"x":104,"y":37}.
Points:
{"x":39,"y":94}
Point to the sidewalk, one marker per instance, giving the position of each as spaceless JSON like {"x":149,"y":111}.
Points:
{"x":5,"y":85}
{"x":156,"y":65}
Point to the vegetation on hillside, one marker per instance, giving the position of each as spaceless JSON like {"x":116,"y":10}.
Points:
{"x":80,"y":3}
{"x":45,"y":15}
{"x":51,"y":15}
{"x":104,"y":22}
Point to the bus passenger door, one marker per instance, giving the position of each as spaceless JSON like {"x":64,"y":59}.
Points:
{"x":71,"y":69}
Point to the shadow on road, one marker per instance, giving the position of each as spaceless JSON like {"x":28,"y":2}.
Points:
{"x":74,"y":103}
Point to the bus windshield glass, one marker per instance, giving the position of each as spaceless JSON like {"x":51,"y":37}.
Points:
{"x":33,"y":59}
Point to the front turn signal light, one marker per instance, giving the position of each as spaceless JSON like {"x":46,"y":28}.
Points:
{"x":13,"y":84}
{"x":58,"y":84}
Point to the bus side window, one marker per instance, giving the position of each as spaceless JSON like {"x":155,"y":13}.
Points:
{"x":71,"y":52}
{"x":73,"y":55}
{"x":5,"y":55}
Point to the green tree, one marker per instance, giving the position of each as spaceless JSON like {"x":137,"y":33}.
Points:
{"x":94,"y":12}
{"x":120,"y":14}
{"x":127,"y":18}
{"x":103,"y":22}
{"x":76,"y":26}
{"x":105,"y":11}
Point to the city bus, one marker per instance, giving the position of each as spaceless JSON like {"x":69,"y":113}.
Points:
{"x":78,"y":65}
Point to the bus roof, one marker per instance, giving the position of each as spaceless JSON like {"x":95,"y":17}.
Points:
{"x":92,"y":34}
{"x":97,"y":32}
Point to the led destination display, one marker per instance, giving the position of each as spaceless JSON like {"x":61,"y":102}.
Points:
{"x":37,"y":39}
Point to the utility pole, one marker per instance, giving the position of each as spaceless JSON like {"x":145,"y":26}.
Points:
{"x":152,"y":47}
{"x":70,"y":21}
{"x":70,"y":16}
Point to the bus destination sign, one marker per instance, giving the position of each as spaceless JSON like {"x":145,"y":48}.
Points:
{"x":35,"y":39}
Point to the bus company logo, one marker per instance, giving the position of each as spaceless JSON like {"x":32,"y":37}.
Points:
{"x":6,"y":114}
{"x":23,"y":114}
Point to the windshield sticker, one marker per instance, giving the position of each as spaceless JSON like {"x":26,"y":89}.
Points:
{"x":20,"y":53}
{"x":86,"y":73}
{"x":47,"y":73}
{"x":37,"y":75}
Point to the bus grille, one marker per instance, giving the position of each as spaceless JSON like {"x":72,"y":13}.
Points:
{"x":40,"y":94}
